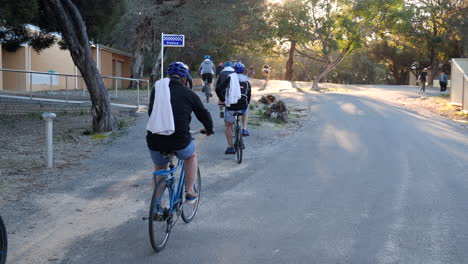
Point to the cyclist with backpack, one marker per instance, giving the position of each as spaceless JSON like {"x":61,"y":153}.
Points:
{"x":233,"y":81}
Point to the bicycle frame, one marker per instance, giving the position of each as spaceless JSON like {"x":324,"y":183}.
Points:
{"x":174,"y":196}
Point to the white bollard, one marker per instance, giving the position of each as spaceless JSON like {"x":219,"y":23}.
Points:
{"x":49,"y":117}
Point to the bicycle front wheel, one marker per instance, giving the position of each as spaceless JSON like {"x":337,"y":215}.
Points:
{"x":3,"y":242}
{"x":239,"y":144}
{"x":159,"y":217}
{"x":189,"y":210}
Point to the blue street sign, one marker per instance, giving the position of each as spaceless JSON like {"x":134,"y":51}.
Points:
{"x":173,"y":40}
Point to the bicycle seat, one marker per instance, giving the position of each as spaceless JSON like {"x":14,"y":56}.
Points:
{"x":238,"y":114}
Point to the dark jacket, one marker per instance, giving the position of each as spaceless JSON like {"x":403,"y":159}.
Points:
{"x":246,"y":91}
{"x":219,"y":68}
{"x":223,"y":82}
{"x":423,"y":76}
{"x":184,"y":101}
{"x":189,"y":82}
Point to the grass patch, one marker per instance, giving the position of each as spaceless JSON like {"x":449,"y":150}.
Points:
{"x":462,"y":114}
{"x":122,"y":124}
{"x":339,"y":90}
{"x":99,"y":137}
{"x":35,"y":116}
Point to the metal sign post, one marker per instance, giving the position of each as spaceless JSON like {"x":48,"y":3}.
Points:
{"x":170,"y":40}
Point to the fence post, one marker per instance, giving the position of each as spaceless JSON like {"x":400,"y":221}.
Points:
{"x":30,"y":86}
{"x":49,"y":117}
{"x":66,"y":88}
{"x":116,"y":95}
{"x":19,"y":82}
{"x":138,"y":94}
{"x":148,"y":88}
{"x":50,"y":75}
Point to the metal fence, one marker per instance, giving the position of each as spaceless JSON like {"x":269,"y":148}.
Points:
{"x":459,"y":83}
{"x":69,"y":87}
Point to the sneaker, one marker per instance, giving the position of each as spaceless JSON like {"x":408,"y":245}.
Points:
{"x":230,"y":150}
{"x":191,"y":198}
{"x":245,"y":133}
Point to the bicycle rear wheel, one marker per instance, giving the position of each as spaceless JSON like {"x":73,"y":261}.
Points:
{"x":238,"y":143}
{"x":159,"y":217}
{"x":3,"y":242}
{"x":189,"y":210}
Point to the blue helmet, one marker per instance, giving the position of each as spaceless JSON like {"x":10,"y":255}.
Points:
{"x":178,"y":70}
{"x":207,"y":57}
{"x":228,"y":64}
{"x":239,"y":67}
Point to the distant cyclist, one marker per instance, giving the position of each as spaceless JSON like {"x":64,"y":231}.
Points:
{"x":219,"y":68}
{"x":242,"y":104}
{"x":251,"y":72}
{"x":207,"y":71}
{"x":266,"y":71}
{"x":181,"y":101}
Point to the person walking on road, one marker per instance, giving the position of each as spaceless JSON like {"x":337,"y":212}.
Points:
{"x":423,"y":79}
{"x":443,"y":80}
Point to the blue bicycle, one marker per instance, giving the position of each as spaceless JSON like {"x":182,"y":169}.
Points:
{"x":3,"y":242}
{"x":168,"y":202}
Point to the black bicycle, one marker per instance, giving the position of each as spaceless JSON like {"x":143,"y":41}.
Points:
{"x":206,"y":89}
{"x":237,"y":136}
{"x":3,"y":242}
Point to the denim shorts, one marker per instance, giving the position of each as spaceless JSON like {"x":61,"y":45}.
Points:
{"x":229,"y":115}
{"x":182,"y":154}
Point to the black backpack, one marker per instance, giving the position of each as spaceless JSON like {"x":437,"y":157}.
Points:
{"x":243,"y":102}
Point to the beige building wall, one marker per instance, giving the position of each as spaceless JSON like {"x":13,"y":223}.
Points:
{"x":106,"y":67}
{"x":126,"y":67}
{"x":13,"y":81}
{"x":60,"y":61}
{"x":53,"y":59}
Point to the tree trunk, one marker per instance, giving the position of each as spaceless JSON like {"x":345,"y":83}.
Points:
{"x":289,"y":64}
{"x":139,"y":50}
{"x":325,"y":71}
{"x":157,"y":68}
{"x":137,"y":66}
{"x":73,"y":30}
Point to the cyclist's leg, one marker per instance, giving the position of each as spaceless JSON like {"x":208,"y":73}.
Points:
{"x":189,"y":155}
{"x":160,"y":163}
{"x":228,"y":133}
{"x":229,"y":120}
{"x":245,"y":118}
{"x":191,"y":165}
{"x":210,"y":84}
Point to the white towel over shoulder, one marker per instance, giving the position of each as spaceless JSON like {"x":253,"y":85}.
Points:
{"x":233,"y":93}
{"x":161,"y":120}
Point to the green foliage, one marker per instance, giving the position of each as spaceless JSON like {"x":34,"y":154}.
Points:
{"x":359,"y":68}
{"x":99,"y":16}
{"x":99,"y":137}
{"x":122,"y":124}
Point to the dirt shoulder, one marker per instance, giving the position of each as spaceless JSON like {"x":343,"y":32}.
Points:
{"x":438,"y":104}
{"x":23,"y":155}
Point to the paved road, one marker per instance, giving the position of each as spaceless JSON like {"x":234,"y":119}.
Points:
{"x":364,"y":181}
